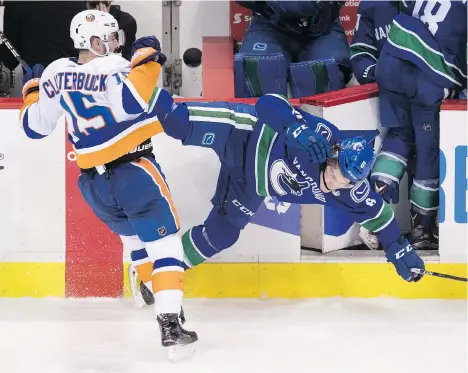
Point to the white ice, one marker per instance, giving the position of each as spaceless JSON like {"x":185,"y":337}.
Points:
{"x":314,"y":336}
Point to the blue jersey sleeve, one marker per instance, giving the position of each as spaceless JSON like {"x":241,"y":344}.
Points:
{"x":367,"y":208}
{"x":364,"y":52}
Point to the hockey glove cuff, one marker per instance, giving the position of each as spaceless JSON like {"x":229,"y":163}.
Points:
{"x":402,"y":255}
{"x":390,"y":192}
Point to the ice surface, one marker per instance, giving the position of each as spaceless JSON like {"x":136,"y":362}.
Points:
{"x":314,"y":336}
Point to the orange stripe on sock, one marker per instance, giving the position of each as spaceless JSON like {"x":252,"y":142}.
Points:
{"x":145,"y":271}
{"x":153,"y":171}
{"x":170,"y":280}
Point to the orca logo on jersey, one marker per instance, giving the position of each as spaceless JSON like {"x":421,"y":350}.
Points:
{"x":281,"y":175}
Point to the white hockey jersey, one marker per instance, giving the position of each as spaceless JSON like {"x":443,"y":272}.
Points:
{"x":104,"y":104}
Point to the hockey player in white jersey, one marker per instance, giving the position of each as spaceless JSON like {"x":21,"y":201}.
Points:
{"x":106,"y":103}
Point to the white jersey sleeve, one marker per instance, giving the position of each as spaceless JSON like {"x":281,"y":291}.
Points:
{"x":40,"y":112}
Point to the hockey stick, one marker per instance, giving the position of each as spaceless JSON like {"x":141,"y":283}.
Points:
{"x":442,"y":275}
{"x":13,"y":51}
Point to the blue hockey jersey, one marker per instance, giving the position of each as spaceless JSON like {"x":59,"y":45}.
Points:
{"x":290,"y":176}
{"x":374,"y":20}
{"x":432,"y":36}
{"x":305,"y":18}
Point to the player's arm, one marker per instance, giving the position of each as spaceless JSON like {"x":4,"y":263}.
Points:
{"x":367,"y":208}
{"x":41,"y":107}
{"x":139,"y":87}
{"x":278,"y":114}
{"x":364,"y":53}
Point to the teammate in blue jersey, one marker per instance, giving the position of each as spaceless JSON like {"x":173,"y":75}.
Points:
{"x":374,"y":19}
{"x":300,"y":42}
{"x":275,"y":149}
{"x":423,"y":62}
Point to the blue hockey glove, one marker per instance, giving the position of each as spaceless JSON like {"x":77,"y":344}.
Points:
{"x":31,"y":80}
{"x":389,"y":192}
{"x":369,"y":74}
{"x":300,"y":136}
{"x":152,"y":51}
{"x":402,"y":255}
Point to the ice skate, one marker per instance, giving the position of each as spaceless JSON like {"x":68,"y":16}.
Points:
{"x":179,"y":340}
{"x":135,"y":287}
{"x":421,"y":238}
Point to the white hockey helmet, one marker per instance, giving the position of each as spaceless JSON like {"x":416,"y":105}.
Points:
{"x":94,"y":23}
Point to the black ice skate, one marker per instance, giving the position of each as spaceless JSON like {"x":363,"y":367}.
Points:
{"x":172,"y":333}
{"x":422,"y":238}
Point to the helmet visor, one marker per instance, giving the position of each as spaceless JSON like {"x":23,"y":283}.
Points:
{"x":115,"y":41}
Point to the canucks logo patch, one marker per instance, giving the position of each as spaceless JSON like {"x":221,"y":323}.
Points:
{"x":208,"y":138}
{"x":360,"y":191}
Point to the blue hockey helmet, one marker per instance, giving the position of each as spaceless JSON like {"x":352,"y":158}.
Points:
{"x":355,"y":157}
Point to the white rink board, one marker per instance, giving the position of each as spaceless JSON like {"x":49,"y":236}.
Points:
{"x":453,"y":234}
{"x":32,"y":194}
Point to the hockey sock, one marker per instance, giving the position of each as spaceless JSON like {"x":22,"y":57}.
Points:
{"x":197,"y":246}
{"x":167,"y":274}
{"x":143,"y":266}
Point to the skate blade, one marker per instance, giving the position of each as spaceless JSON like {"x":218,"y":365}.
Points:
{"x":181,"y":352}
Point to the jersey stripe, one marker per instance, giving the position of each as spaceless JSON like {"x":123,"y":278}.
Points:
{"x":151,"y":169}
{"x":143,"y":80}
{"x":117,"y":146}
{"x":407,"y":40}
{"x":263,"y":148}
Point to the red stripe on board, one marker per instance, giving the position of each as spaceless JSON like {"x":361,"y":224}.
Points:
{"x":343,"y":96}
{"x":93,"y":255}
{"x":460,"y":105}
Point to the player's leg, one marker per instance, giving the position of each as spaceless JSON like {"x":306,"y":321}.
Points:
{"x":260,"y":67}
{"x":97,"y":192}
{"x":324,"y":65}
{"x":398,"y":144}
{"x":424,"y":194}
{"x":233,"y":209}
{"x":141,"y":191}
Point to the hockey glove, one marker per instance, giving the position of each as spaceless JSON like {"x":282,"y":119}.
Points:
{"x":402,"y":255}
{"x":32,"y":79}
{"x":147,"y":49}
{"x":389,"y":192}
{"x":300,"y":136}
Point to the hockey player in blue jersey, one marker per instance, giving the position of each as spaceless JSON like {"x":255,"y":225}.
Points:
{"x":374,"y":19}
{"x":423,"y":62}
{"x":297,"y":42}
{"x":275,"y":149}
